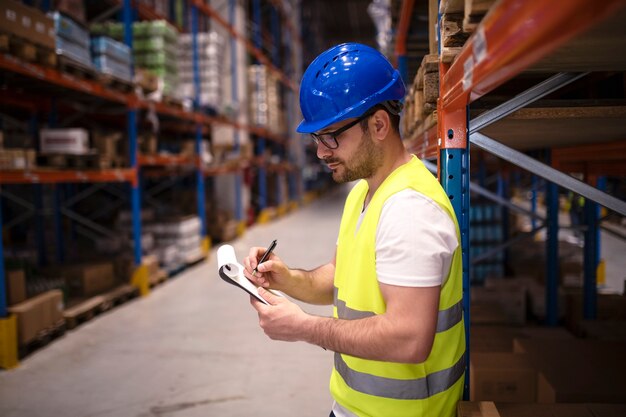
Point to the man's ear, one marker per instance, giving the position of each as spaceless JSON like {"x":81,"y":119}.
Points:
{"x":381,"y":124}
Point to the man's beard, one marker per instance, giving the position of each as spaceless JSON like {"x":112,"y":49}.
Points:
{"x":362,"y":164}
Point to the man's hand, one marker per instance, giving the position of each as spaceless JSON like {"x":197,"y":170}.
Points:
{"x":272,"y":273}
{"x":282,"y":319}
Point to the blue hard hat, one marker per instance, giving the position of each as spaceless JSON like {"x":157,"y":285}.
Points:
{"x":344,"y":82}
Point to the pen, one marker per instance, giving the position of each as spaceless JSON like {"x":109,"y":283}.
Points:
{"x":265,"y":256}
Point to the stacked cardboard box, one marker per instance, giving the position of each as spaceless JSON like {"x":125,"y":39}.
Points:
{"x":265,"y":103}
{"x":89,"y":279}
{"x":37,"y":314}
{"x":72,"y":40}
{"x":177,"y":241}
{"x":154,"y":50}
{"x":112,"y":58}
{"x":497,"y":371}
{"x":16,"y":286}
{"x":27,"y":23}
{"x":73,"y":141}
{"x":498,"y":409}
{"x":17,"y":158}
{"x":577,"y":370}
{"x":210,"y":68}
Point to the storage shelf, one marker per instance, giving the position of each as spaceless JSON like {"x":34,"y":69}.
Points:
{"x":511,"y":38}
{"x":52,"y":76}
{"x":93,"y":88}
{"x":550,"y":127}
{"x":50,"y":176}
{"x":253,"y":50}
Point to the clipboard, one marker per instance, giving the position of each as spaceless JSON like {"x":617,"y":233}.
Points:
{"x":231,"y":271}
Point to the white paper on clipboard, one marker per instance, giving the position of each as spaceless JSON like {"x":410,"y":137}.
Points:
{"x":231,"y":271}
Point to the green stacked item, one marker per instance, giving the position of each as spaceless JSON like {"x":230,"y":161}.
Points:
{"x":154,"y":48}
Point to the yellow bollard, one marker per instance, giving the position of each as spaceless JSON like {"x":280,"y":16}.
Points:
{"x":241,"y":228}
{"x":8,"y":342}
{"x":601,"y":274}
{"x":206,"y":246}
{"x":140,"y":280}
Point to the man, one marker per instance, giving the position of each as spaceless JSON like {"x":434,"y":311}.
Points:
{"x":395,"y":281}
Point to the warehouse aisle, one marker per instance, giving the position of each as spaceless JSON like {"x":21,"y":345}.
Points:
{"x":191,"y":348}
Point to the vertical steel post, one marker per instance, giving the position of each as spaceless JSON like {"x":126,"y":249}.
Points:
{"x":239,"y":214}
{"x":503,"y":191}
{"x":601,"y":272}
{"x":590,"y":265}
{"x":533,"y":200}
{"x":260,"y":145}
{"x":3,"y":286}
{"x":403,"y":68}
{"x":455,"y":178}
{"x":552,"y":254}
{"x":58,"y":195}
{"x":454,"y":165}
{"x":131,"y":118}
{"x":275,"y":25}
{"x":58,"y":223}
{"x":200,"y":188}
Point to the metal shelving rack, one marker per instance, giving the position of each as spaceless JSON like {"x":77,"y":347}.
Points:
{"x":196,"y":119}
{"x":516,"y":36}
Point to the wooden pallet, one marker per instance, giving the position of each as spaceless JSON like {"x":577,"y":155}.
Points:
{"x":87,"y":309}
{"x":69,"y":161}
{"x":43,"y":338}
{"x":158,"y":278}
{"x":77,"y":69}
{"x":115,"y":83}
{"x":27,"y":51}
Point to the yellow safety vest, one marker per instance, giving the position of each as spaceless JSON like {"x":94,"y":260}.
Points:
{"x":372,"y":388}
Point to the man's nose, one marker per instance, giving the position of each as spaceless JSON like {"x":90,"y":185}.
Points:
{"x":323,"y":150}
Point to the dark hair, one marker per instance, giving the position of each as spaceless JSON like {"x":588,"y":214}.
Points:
{"x":393,"y":117}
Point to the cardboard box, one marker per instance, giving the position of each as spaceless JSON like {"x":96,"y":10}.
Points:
{"x":603,"y":329}
{"x":543,"y":410}
{"x":510,"y":298}
{"x":487,"y":314}
{"x":608,"y":307}
{"x":27,"y":23}
{"x":54,"y":306}
{"x":89,"y":279}
{"x":30,"y":318}
{"x":73,"y":141}
{"x":16,"y":286}
{"x":477,"y":409}
{"x":576,"y":371}
{"x":37,"y":314}
{"x":506,"y":377}
{"x":500,"y":338}
{"x":607,"y":410}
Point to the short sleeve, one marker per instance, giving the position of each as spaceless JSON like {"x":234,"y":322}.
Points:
{"x":415,"y":241}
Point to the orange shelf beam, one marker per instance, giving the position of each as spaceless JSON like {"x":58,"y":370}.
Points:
{"x":256,"y":52}
{"x":52,"y":76}
{"x":49,"y":176}
{"x":513,"y":36}
{"x":167,"y":160}
{"x":223,"y":169}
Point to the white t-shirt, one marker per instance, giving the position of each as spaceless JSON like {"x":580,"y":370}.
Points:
{"x":415,"y":242}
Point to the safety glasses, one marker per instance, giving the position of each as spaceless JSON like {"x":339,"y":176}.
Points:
{"x":330,"y":139}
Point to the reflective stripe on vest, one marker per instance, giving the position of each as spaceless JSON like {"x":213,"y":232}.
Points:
{"x":446,"y":319}
{"x":400,"y":389}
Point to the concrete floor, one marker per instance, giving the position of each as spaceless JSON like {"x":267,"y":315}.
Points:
{"x":193,"y":347}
